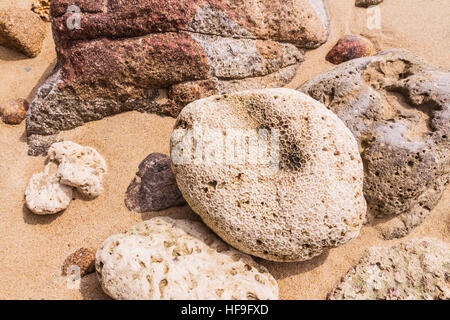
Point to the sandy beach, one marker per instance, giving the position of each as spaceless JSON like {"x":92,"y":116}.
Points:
{"x":33,"y":248}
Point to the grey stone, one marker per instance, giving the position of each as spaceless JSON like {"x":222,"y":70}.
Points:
{"x":154,"y":188}
{"x":397,"y":106}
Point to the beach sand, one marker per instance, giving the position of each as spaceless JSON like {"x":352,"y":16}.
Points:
{"x":33,"y":248}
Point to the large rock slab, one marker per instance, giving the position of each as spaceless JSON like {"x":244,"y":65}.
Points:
{"x":417,"y":269}
{"x":21,"y":30}
{"x":167,"y":259}
{"x":397,"y":106}
{"x":157,"y":56}
{"x":273,"y":172}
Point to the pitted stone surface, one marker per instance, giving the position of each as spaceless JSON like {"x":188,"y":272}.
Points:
{"x":308,"y":196}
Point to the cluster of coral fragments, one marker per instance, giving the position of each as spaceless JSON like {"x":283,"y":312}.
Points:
{"x":343,"y":151}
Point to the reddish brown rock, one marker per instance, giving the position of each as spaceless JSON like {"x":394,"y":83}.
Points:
{"x":14,"y":112}
{"x":154,"y":188}
{"x":157,"y":56}
{"x":348,"y":48}
{"x":83,"y":258}
{"x":22,"y":30}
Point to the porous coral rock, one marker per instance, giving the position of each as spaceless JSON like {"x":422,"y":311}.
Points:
{"x":290,"y":201}
{"x":164,"y":258}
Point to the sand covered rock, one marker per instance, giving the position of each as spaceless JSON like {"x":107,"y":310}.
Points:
{"x":157,"y":56}
{"x":348,"y":48}
{"x":46,"y":195}
{"x":22,"y":30}
{"x":14,"y":112}
{"x":164,"y":258}
{"x":273,"y":172}
{"x":82,"y":260}
{"x":397,"y":106}
{"x":42,"y":8}
{"x":367,"y":3}
{"x":79,"y":166}
{"x":154,"y":188}
{"x":416,"y":269}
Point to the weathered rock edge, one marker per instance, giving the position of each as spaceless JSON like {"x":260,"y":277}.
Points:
{"x":157,"y":56}
{"x":398,"y":107}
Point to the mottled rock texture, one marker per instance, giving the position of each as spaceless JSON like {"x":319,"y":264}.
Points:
{"x":22,"y":30}
{"x":157,"y":56}
{"x":273,"y":172}
{"x":154,"y":188}
{"x":167,"y":259}
{"x":42,"y":8}
{"x":14,"y":112}
{"x":367,"y":3}
{"x":397,"y":106}
{"x":416,"y":269}
{"x":348,"y":48}
{"x":82,"y":260}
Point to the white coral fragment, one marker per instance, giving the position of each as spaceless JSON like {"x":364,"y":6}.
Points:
{"x":80,"y":167}
{"x":45,"y":195}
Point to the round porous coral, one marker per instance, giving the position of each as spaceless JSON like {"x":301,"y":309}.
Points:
{"x":288,"y":201}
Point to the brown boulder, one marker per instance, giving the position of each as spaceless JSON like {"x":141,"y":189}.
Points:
{"x":22,"y":30}
{"x":83,"y":258}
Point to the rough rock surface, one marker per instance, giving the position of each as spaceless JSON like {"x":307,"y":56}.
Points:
{"x":367,"y":3}
{"x":348,"y":48}
{"x":42,"y":8}
{"x":22,"y":30}
{"x":166,"y":259}
{"x":417,"y":269}
{"x":83,"y":258}
{"x":154,"y":188}
{"x":14,"y":112}
{"x":46,"y":195}
{"x":397,"y":106}
{"x":79,"y":166}
{"x":289,"y":201}
{"x":157,"y":56}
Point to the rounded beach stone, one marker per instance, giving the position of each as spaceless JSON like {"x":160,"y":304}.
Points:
{"x":350,"y":47}
{"x":82,"y":260}
{"x":397,"y":105}
{"x":154,"y":187}
{"x":14,"y":112}
{"x":416,"y":269}
{"x":22,"y":30}
{"x":163,"y":258}
{"x":287,"y":202}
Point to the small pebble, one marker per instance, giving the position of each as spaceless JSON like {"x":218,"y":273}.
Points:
{"x":83,"y":258}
